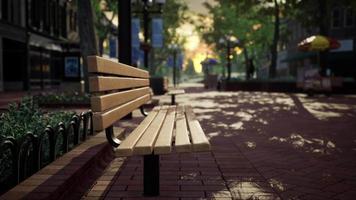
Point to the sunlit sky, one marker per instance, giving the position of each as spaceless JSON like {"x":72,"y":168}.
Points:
{"x":195,"y":48}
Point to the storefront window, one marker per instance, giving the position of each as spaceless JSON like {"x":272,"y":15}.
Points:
{"x":40,"y":68}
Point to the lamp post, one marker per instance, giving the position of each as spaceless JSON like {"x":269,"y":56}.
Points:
{"x":174,"y":48}
{"x":146,"y":10}
{"x":229,"y":42}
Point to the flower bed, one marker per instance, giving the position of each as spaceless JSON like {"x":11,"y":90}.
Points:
{"x":31,"y":139}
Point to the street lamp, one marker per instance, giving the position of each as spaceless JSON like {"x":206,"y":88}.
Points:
{"x":146,"y":10}
{"x":229,"y":42}
{"x":174,"y":48}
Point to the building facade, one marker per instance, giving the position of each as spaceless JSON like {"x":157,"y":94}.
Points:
{"x":39,"y":44}
{"x":341,"y":21}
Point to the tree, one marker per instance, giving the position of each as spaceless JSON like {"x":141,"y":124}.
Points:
{"x":189,"y":70}
{"x":104,"y":25}
{"x":88,"y":44}
{"x":174,"y":14}
{"x":243,"y":20}
{"x":279,"y":10}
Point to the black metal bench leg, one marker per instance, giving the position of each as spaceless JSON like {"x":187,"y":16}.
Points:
{"x":151,"y":175}
{"x":173,"y":102}
{"x":110,"y":136}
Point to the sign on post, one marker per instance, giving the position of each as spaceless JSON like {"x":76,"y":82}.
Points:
{"x":157,"y":32}
{"x":135,"y":41}
{"x":113,"y":47}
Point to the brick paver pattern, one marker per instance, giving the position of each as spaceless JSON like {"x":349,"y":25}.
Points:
{"x":264,"y":146}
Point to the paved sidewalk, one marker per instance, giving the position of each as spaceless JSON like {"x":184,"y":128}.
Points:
{"x":265,"y":146}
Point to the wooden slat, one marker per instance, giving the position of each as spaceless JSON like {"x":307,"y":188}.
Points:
{"x":145,"y":145}
{"x":126,"y":146}
{"x":163,"y":143}
{"x":103,"y":83}
{"x":199,"y":140}
{"x":103,"y":120}
{"x":104,"y":102}
{"x":182,"y":140}
{"x":175,"y":92}
{"x":102,"y":65}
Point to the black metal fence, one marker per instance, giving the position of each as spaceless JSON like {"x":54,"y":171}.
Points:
{"x":20,"y":158}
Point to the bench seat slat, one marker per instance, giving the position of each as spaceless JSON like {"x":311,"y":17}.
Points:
{"x":102,"y":65}
{"x":199,"y":140}
{"x":175,"y":92}
{"x":145,"y":145}
{"x":104,"y":102}
{"x":182,"y":141}
{"x":103,"y":120}
{"x":163,"y":144}
{"x":104,"y":83}
{"x":127,"y":145}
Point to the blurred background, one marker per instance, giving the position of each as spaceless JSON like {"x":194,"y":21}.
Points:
{"x":42,"y":45}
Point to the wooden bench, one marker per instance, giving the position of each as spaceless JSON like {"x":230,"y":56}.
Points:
{"x":118,"y":89}
{"x":173,"y":94}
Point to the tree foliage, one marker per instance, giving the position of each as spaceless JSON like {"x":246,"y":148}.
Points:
{"x":103,"y":23}
{"x":88,"y":42}
{"x":245,"y":21}
{"x":174,"y":14}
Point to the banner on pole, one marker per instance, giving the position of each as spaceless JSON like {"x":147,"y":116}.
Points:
{"x":179,"y":60}
{"x":135,"y":30}
{"x":157,"y":33}
{"x":137,"y":56}
{"x":113,"y":47}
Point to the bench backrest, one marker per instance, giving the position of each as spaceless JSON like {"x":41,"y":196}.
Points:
{"x":117,"y":89}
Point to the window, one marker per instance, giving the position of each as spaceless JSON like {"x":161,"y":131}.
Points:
{"x":72,"y":20}
{"x":54,"y":16}
{"x":63,"y":20}
{"x":336,"y":18}
{"x":46,"y":16}
{"x":4,"y":9}
{"x":349,"y":18}
{"x":34,"y":13}
{"x":7,"y":10}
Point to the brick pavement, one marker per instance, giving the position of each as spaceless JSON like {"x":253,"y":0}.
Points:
{"x":264,"y":146}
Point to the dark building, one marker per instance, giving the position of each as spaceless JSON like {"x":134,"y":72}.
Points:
{"x":341,"y":21}
{"x":39,"y":45}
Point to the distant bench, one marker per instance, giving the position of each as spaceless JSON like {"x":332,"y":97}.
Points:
{"x":173,"y":94}
{"x":118,"y":89}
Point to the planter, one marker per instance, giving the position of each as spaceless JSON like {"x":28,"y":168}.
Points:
{"x":159,"y":85}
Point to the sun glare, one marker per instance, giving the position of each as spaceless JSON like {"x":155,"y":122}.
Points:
{"x":192,"y":42}
{"x":197,"y":59}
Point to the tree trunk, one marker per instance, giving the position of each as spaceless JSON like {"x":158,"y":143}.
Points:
{"x":88,"y":43}
{"x":101,"y":46}
{"x":246,"y":63}
{"x":274,"y":52}
{"x":323,"y":30}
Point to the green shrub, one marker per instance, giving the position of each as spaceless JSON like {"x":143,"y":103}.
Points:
{"x":21,"y":118}
{"x":28,"y":117}
{"x":62,"y":98}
